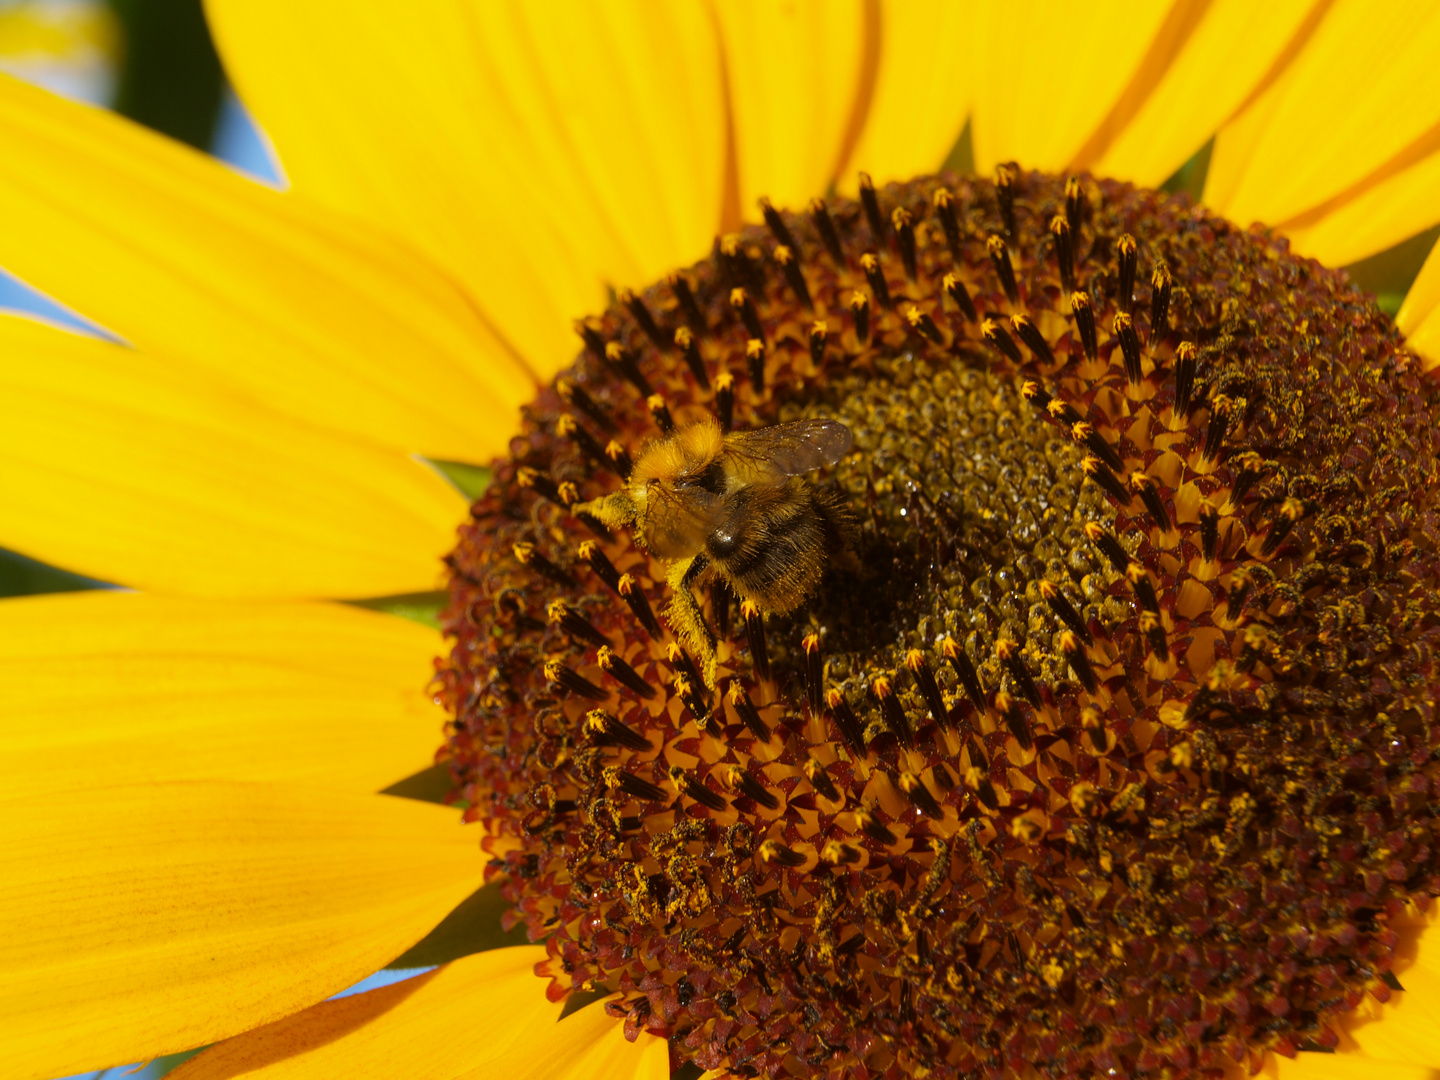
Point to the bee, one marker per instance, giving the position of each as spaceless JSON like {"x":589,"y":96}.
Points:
{"x":738,"y":506}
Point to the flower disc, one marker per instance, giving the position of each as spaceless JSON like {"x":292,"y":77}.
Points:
{"x":1105,"y":745}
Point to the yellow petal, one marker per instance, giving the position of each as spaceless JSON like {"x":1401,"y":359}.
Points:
{"x":620,"y":103}
{"x":922,"y":95}
{"x":1359,"y":105}
{"x":1394,"y":1041}
{"x":1232,"y":50}
{"x":1048,"y":73}
{"x":537,"y":151}
{"x":1379,"y":217}
{"x":258,"y":291}
{"x":113,"y":466}
{"x":105,"y":686}
{"x":1406,"y":1029}
{"x":1419,"y":316}
{"x":1340,"y":1066}
{"x":432,"y":1027}
{"x":611,"y":1056}
{"x":482,"y":1016}
{"x":144,"y":919}
{"x":586,"y":1045}
{"x":796,"y":74}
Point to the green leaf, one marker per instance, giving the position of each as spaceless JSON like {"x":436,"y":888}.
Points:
{"x":1190,"y":177}
{"x":163,"y":1065}
{"x":424,"y":607}
{"x":580,"y":999}
{"x":1388,"y":274}
{"x":20,"y":576}
{"x":472,"y":927}
{"x":961,"y":158}
{"x":470,"y":480}
{"x":427,"y":785}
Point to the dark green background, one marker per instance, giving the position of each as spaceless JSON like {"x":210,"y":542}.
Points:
{"x":171,"y":78}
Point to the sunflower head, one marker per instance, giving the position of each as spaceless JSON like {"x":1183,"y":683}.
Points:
{"x":1103,"y":745}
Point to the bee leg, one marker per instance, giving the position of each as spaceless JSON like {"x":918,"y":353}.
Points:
{"x":614,"y":511}
{"x":685,"y":615}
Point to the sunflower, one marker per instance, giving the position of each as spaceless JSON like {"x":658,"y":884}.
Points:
{"x":989,"y":849}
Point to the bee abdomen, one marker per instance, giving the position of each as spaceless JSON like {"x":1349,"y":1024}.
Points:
{"x":773,"y":546}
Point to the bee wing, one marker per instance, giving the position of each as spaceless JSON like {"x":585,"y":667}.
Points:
{"x":678,"y":520}
{"x":789,"y":449}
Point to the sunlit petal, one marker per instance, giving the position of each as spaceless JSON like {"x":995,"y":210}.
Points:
{"x":587,"y":1045}
{"x":113,"y":466}
{"x":259,"y":292}
{"x":538,"y":151}
{"x":922,"y":95}
{"x":482,"y":1016}
{"x":432,"y":1027}
{"x":1360,"y":105}
{"x":1394,"y":209}
{"x":1310,"y":1066}
{"x":144,"y":919}
{"x":794,"y":71}
{"x":123,"y":686}
{"x":1419,"y":316}
{"x":1047,"y":74}
{"x":1406,"y":1029}
{"x":1231,"y":51}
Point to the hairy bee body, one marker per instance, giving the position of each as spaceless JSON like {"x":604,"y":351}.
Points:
{"x":736,"y":505}
{"x":773,"y":545}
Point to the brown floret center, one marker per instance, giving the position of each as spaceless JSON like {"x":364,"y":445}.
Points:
{"x":1108,"y":743}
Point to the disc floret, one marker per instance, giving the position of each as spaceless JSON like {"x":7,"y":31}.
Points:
{"x":1106,"y":739}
